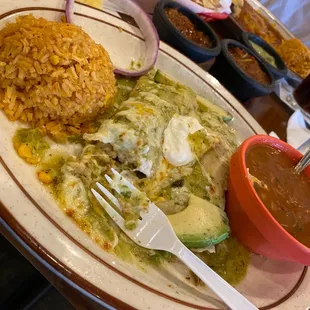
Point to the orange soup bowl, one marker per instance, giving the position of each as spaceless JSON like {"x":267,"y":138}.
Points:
{"x":250,"y":220}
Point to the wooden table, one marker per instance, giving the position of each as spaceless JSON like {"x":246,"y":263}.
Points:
{"x":271,"y":113}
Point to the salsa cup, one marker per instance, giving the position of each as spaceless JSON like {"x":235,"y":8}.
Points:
{"x":250,"y":220}
{"x":171,"y":35}
{"x":232,"y":76}
{"x":280,"y":70}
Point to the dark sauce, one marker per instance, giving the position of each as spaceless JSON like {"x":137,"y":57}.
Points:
{"x":187,"y":28}
{"x":287,"y":193}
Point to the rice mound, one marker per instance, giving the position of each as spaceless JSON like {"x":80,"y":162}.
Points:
{"x":53,"y":75}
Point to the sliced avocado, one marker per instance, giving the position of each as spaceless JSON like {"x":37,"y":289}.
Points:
{"x":163,"y":78}
{"x":208,"y":106}
{"x":201,"y":224}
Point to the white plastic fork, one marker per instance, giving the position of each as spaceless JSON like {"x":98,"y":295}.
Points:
{"x":154,"y":231}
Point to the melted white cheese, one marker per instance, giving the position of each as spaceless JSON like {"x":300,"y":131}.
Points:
{"x":145,"y":167}
{"x":123,"y":139}
{"x":176,"y":147}
{"x":120,"y":136}
{"x":74,"y":195}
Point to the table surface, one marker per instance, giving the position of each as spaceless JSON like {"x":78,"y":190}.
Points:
{"x":271,"y":113}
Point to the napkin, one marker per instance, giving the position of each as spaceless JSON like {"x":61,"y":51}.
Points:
{"x":297,"y":132}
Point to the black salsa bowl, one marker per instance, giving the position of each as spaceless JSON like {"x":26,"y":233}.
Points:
{"x":171,"y":35}
{"x":280,"y":70}
{"x":237,"y":81}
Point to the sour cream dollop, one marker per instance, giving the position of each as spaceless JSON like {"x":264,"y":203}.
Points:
{"x":176,"y":147}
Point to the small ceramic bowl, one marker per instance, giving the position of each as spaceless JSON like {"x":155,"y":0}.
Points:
{"x":280,"y":70}
{"x":249,"y":219}
{"x":171,"y":35}
{"x":237,"y":81}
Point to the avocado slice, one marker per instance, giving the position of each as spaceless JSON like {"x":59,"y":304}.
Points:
{"x":163,"y":78}
{"x":201,"y":224}
{"x":208,"y":106}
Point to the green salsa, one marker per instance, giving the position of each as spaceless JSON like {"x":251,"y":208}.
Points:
{"x":230,"y":260}
{"x":264,"y":54}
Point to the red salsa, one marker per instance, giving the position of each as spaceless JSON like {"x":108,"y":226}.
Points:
{"x":187,"y":28}
{"x":284,"y":193}
{"x":249,"y":65}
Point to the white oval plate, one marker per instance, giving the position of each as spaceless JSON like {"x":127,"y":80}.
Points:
{"x":30,"y":211}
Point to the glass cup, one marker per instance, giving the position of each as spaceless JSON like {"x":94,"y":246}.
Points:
{"x":302,"y":95}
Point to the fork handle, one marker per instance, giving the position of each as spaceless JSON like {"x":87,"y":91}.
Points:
{"x":232,"y":298}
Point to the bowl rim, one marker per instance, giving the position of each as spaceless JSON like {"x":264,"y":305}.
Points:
{"x":281,"y":68}
{"x":226,"y":43}
{"x":260,"y":208}
{"x":160,"y":9}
